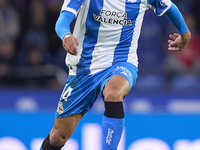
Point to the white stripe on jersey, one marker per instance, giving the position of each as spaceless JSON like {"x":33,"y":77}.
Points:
{"x":132,"y":56}
{"x":79,"y":33}
{"x":108,"y":39}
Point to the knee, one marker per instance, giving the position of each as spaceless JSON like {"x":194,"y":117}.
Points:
{"x":113,"y":95}
{"x":57,"y":139}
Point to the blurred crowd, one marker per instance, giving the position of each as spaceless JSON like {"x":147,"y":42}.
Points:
{"x":31,"y":54}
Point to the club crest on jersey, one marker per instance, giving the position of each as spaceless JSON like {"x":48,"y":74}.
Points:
{"x":112,"y":17}
{"x":60,"y":108}
{"x":132,"y":1}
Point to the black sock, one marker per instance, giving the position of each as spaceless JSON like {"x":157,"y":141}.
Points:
{"x":47,"y":146}
{"x":114,"y":110}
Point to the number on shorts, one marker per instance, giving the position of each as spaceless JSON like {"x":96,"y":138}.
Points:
{"x":67,"y":93}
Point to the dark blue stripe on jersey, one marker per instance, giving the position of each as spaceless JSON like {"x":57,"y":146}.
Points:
{"x":75,"y":4}
{"x":91,"y":35}
{"x":122,"y":49}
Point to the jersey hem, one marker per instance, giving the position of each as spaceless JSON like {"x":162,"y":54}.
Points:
{"x":73,"y":71}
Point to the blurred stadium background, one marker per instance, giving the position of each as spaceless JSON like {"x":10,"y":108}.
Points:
{"x":162,"y":110}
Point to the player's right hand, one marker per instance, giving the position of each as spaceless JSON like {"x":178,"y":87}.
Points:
{"x":70,"y":44}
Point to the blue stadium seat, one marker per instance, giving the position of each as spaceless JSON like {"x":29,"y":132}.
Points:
{"x":150,"y":82}
{"x":185,"y":82}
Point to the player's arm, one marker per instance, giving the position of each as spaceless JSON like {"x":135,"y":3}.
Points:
{"x":62,"y":28}
{"x":179,"y":40}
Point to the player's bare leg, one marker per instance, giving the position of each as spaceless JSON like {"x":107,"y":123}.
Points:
{"x":113,"y":120}
{"x":115,"y":89}
{"x":61,"y":132}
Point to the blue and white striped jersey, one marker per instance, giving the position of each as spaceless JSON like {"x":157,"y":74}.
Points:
{"x":107,"y":31}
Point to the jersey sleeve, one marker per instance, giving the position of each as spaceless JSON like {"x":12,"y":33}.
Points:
{"x":159,"y":6}
{"x":72,"y":6}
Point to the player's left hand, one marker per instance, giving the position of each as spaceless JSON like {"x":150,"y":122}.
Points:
{"x":178,"y":42}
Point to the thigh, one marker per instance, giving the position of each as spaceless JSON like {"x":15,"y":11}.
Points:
{"x":123,"y":76}
{"x":117,"y":85}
